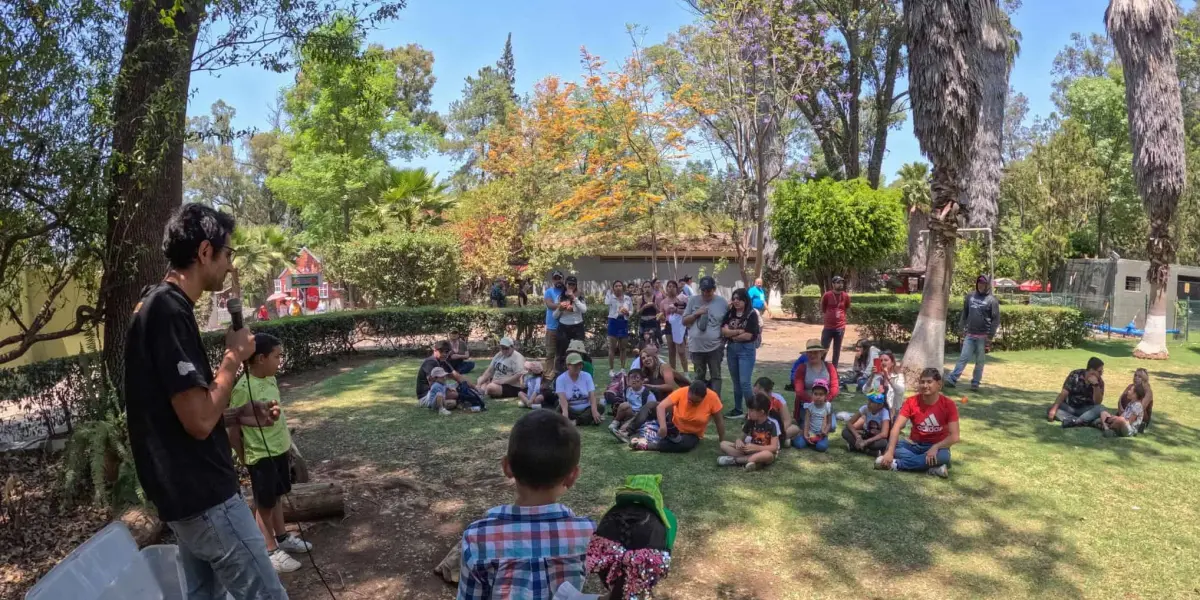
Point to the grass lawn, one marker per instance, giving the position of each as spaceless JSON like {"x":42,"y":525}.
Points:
{"x":1030,"y":510}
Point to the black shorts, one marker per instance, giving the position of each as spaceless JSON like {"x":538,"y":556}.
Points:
{"x":509,"y":391}
{"x":270,"y":478}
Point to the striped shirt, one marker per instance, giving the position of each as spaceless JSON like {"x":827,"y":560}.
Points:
{"x":523,"y":553}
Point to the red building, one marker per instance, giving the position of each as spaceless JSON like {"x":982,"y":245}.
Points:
{"x":320,"y":297}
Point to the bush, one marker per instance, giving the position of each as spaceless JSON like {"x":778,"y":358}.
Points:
{"x":399,"y":268}
{"x":1021,"y":327}
{"x":807,"y":307}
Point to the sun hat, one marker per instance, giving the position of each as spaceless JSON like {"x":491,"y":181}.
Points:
{"x":437,"y":372}
{"x":574,"y":359}
{"x":506,"y":342}
{"x":577,"y":346}
{"x":813,"y":345}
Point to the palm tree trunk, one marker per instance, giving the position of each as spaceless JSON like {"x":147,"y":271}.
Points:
{"x":927,"y":348}
{"x":1154,"y":335}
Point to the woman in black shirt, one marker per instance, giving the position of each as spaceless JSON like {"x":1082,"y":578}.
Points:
{"x":742,"y":328}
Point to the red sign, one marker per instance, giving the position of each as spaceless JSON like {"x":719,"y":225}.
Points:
{"x":312,"y":298}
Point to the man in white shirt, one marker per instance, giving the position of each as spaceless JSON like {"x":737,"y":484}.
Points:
{"x":502,"y":379}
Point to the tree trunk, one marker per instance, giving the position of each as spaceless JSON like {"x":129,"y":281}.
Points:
{"x":1154,"y":335}
{"x":853,"y":137}
{"x":917,"y":220}
{"x":312,"y":501}
{"x":653,"y":247}
{"x":760,"y":234}
{"x":884,"y":103}
{"x":928,"y":344}
{"x":149,"y":122}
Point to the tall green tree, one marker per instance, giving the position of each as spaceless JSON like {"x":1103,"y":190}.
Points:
{"x":263,"y":252}
{"x":488,"y":99}
{"x":913,"y":183}
{"x":412,"y":199}
{"x":213,"y":173}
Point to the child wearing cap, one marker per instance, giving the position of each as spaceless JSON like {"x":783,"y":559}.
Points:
{"x":868,"y":429}
{"x":531,"y":396}
{"x":502,"y":379}
{"x":436,"y":397}
{"x":578,"y":347}
{"x":818,"y":420}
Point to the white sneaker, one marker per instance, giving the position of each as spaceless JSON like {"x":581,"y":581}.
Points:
{"x":443,"y":411}
{"x":282,"y":562}
{"x":879,"y":464}
{"x":535,"y":406}
{"x":940,"y":471}
{"x":727,"y":461}
{"x":611,"y":373}
{"x":476,"y":409}
{"x":293,"y":543}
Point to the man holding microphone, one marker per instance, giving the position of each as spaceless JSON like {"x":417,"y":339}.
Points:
{"x":176,"y":407}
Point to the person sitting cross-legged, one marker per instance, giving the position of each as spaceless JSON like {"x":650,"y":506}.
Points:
{"x":1081,"y":400}
{"x":1129,"y":422}
{"x":934,"y":429}
{"x":818,"y":420}
{"x":503,"y":377}
{"x":869,"y":428}
{"x":759,"y":445}
{"x":575,"y":393}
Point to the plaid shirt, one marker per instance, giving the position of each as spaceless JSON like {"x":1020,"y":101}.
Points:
{"x":523,"y":553}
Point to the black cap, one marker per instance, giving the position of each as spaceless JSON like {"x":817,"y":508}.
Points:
{"x":572,"y":279}
{"x":708,"y":283}
{"x":686,"y":278}
{"x":556,"y":275}
{"x":838,"y":279}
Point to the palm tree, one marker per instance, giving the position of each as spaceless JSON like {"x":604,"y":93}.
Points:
{"x":943,"y":56}
{"x":998,"y":49}
{"x":1143,"y":32}
{"x":262,"y":252}
{"x":411,"y":198}
{"x":913,"y":181}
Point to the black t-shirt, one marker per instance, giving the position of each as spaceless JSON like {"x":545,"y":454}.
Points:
{"x":427,"y":367}
{"x":760,"y":434}
{"x":748,"y":321}
{"x":164,"y":356}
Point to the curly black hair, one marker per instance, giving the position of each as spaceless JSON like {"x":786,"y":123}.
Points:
{"x":636,"y":527}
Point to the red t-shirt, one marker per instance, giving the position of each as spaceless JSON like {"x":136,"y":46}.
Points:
{"x":930,"y":422}
{"x":833,"y":308}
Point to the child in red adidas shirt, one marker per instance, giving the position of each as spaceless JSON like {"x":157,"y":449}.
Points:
{"x":934,"y":429}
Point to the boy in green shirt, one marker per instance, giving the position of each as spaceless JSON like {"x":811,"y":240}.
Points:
{"x":264,"y":451}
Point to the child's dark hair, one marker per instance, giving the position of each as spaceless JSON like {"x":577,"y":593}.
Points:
{"x":1139,"y":391}
{"x":1094,"y":363}
{"x":933,"y":373}
{"x":264,"y":343}
{"x":766,"y":384}
{"x":635,"y":527}
{"x":759,"y":402}
{"x":543,"y":449}
{"x":637,"y":374}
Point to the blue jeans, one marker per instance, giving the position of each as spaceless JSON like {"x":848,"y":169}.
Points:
{"x":910,"y":456}
{"x":972,"y":347}
{"x":462,"y":367}
{"x":741,"y":357}
{"x":820,"y":446}
{"x":221,"y":549}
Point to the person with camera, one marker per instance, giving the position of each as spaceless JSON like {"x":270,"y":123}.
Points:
{"x":553,"y":293}
{"x":569,"y":313}
{"x":177,"y":409}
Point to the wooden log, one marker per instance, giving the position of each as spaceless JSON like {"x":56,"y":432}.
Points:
{"x":312,"y":501}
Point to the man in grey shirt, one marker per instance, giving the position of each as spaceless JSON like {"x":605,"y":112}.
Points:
{"x":703,"y":316}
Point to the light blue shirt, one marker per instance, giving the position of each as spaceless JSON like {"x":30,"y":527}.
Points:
{"x":758,"y":298}
{"x":552,"y":294}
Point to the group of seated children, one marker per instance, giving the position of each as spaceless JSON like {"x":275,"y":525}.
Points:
{"x":538,"y":548}
{"x":1080,"y":403}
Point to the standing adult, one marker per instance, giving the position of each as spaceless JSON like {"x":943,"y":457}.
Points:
{"x":619,"y":308}
{"x":934,"y":419}
{"x":502,"y":378}
{"x":649,"y":328}
{"x":675,"y":303}
{"x":834,"y":304}
{"x":686,"y":289}
{"x":758,"y":297}
{"x":703,"y":317}
{"x":177,"y":409}
{"x":570,"y":313}
{"x":496,"y":297}
{"x":980,"y":320}
{"x":1082,"y":397}
{"x":553,"y":292}
{"x":741,"y":328}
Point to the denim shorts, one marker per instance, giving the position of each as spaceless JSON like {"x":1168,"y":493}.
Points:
{"x":221,"y":549}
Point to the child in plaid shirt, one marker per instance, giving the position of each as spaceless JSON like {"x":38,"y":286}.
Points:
{"x":526,"y":550}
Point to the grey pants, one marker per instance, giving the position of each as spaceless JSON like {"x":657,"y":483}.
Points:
{"x":708,"y":367}
{"x":1085,"y":416}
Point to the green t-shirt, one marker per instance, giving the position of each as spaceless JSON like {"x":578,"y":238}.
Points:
{"x":278,"y":440}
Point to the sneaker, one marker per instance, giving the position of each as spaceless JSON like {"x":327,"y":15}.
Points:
{"x":476,"y":409}
{"x":283,"y":562}
{"x":940,"y":471}
{"x":443,"y":411}
{"x":735,"y":414}
{"x":535,"y":406}
{"x":727,"y":461}
{"x":611,"y":373}
{"x":750,"y":466}
{"x":620,"y":434}
{"x":1069,"y":422}
{"x":879,"y":464}
{"x":950,"y":383}
{"x":974,"y":387}
{"x":293,"y":543}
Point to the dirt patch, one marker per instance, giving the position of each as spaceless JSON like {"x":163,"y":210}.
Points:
{"x":784,"y":339}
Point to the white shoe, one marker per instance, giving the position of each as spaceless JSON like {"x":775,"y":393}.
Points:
{"x":535,"y":406}
{"x":293,"y":543}
{"x":727,"y":461}
{"x":443,"y":411}
{"x":476,"y":409}
{"x":611,"y":373}
{"x":940,"y":471}
{"x":282,"y":562}
{"x":879,"y":464}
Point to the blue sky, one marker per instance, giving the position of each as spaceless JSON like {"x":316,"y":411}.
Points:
{"x":465,"y":35}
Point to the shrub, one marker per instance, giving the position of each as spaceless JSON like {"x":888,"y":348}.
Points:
{"x":1022,"y":327}
{"x":807,"y":307}
{"x":399,"y":268}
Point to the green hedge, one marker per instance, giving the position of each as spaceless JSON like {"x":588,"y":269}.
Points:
{"x":807,"y":307}
{"x":1022,"y":327}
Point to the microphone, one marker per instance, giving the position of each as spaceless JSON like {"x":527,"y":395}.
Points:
{"x":234,"y":306}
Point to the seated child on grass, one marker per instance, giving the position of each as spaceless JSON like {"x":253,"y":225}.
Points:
{"x":869,"y":428}
{"x":530,"y":548}
{"x":1143,"y":377}
{"x":1132,"y":414}
{"x":264,"y":451}
{"x":636,"y":396}
{"x":759,"y":444}
{"x":818,"y":420}
{"x":779,"y":408}
{"x":436,"y":397}
{"x":532,"y":395}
